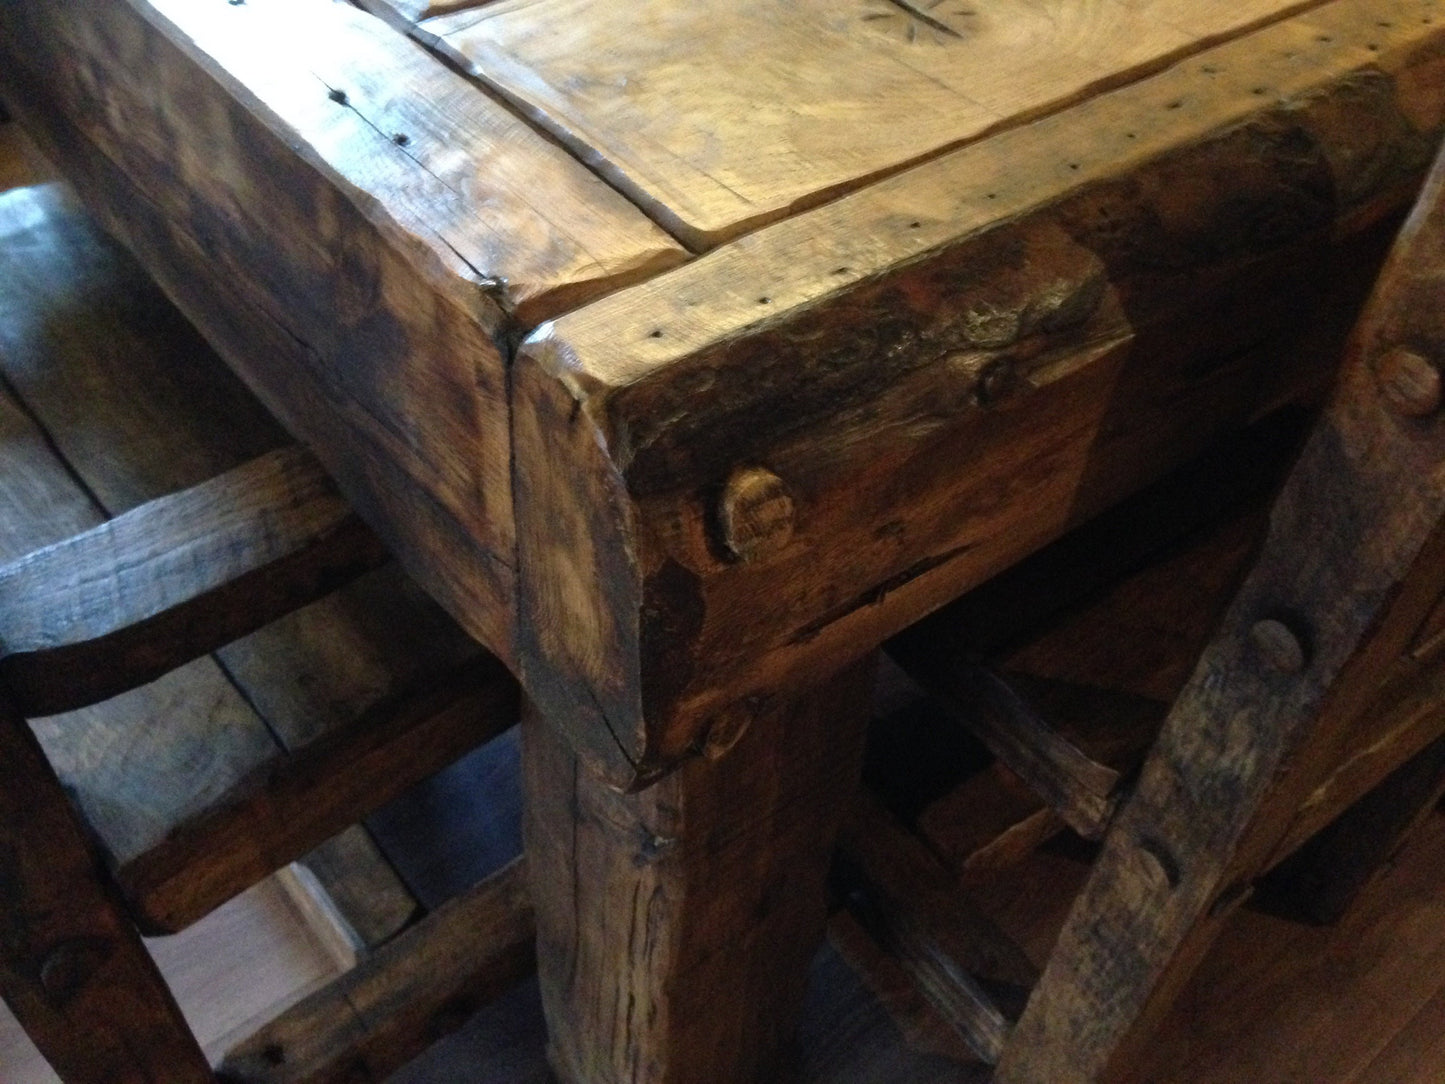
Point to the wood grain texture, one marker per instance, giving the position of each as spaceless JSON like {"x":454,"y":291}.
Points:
{"x":716,"y":118}
{"x":945,"y":371}
{"x":649,"y":973}
{"x":116,"y":381}
{"x":293,"y":803}
{"x":119,"y":605}
{"x":424,"y":984}
{"x":72,"y":968}
{"x":910,"y":904}
{"x":256,"y":153}
{"x":1216,"y":792}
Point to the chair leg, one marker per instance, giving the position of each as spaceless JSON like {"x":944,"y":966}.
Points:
{"x":72,"y":968}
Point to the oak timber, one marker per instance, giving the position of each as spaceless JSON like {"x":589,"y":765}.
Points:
{"x":371,"y":1021}
{"x":718,"y":117}
{"x":119,"y":605}
{"x":71,"y":964}
{"x":1235,"y":756}
{"x":350,"y":223}
{"x":115,"y":380}
{"x":945,"y":370}
{"x":649,"y":973}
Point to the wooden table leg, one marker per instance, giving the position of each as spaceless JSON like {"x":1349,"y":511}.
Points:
{"x":72,"y":968}
{"x":676,"y":925}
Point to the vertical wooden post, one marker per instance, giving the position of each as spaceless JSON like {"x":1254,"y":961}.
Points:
{"x":72,"y":967}
{"x":676,"y":925}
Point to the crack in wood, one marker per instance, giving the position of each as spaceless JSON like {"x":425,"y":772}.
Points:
{"x":918,"y":14}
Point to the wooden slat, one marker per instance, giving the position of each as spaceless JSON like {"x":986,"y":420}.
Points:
{"x":416,"y":989}
{"x":139,"y":406}
{"x":910,"y":904}
{"x":1082,"y":791}
{"x":353,"y":224}
{"x":1320,"y":881}
{"x":171,"y":580}
{"x":1046,"y":340}
{"x":294,"y":803}
{"x":718,"y":117}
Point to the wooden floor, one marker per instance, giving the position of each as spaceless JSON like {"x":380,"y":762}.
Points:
{"x":1359,"y":1003}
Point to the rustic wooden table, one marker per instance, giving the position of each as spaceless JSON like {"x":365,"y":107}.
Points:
{"x":685,"y":351}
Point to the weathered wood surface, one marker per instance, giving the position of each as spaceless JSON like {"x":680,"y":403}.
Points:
{"x":1083,"y":791}
{"x":291,"y":804}
{"x":651,"y":971}
{"x":350,"y":223}
{"x":1321,"y":880}
{"x":1217,"y":792}
{"x":911,"y":905}
{"x":116,"y":381}
{"x":718,"y":117}
{"x":72,"y":968}
{"x":412,"y":992}
{"x":139,"y":595}
{"x":943,"y":371}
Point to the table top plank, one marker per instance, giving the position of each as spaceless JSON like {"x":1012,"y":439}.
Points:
{"x":497,"y":202}
{"x":716,"y":118}
{"x":945,"y":369}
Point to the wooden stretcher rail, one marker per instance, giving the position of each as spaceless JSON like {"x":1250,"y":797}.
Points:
{"x":424,"y":984}
{"x":297,"y":800}
{"x":172,"y":580}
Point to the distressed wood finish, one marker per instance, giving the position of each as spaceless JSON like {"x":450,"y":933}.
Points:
{"x":426,"y":983}
{"x":123,"y":603}
{"x":944,"y":371}
{"x":70,"y":962}
{"x":718,"y":117}
{"x":295,"y":802}
{"x":291,"y":173}
{"x":116,"y":381}
{"x":909,"y":903}
{"x":1320,"y":881}
{"x":650,"y":973}
{"x":1216,"y":794}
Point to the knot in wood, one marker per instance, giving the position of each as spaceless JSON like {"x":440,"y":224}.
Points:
{"x":1278,"y":645}
{"x":755,"y":513}
{"x":69,"y":966}
{"x":726,"y":730}
{"x":1409,"y":383}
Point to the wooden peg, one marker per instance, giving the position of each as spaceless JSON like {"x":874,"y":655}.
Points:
{"x":755,"y":513}
{"x":1409,"y":383}
{"x":1279,"y":646}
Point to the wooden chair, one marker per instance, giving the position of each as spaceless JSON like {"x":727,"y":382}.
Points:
{"x":1319,"y":685}
{"x":151,"y":514}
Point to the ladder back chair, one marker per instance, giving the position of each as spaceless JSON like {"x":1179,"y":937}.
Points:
{"x":1319,"y":685}
{"x":208,"y":670}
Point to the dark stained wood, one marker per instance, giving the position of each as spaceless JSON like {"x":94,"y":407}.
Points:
{"x":910,"y":904}
{"x":171,"y":580}
{"x":72,"y":968}
{"x":286,"y":807}
{"x":649,"y":973}
{"x":945,"y":371}
{"x":1081,"y":790}
{"x":1217,"y":792}
{"x":119,"y":384}
{"x":398,"y":1001}
{"x":1319,"y":881}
